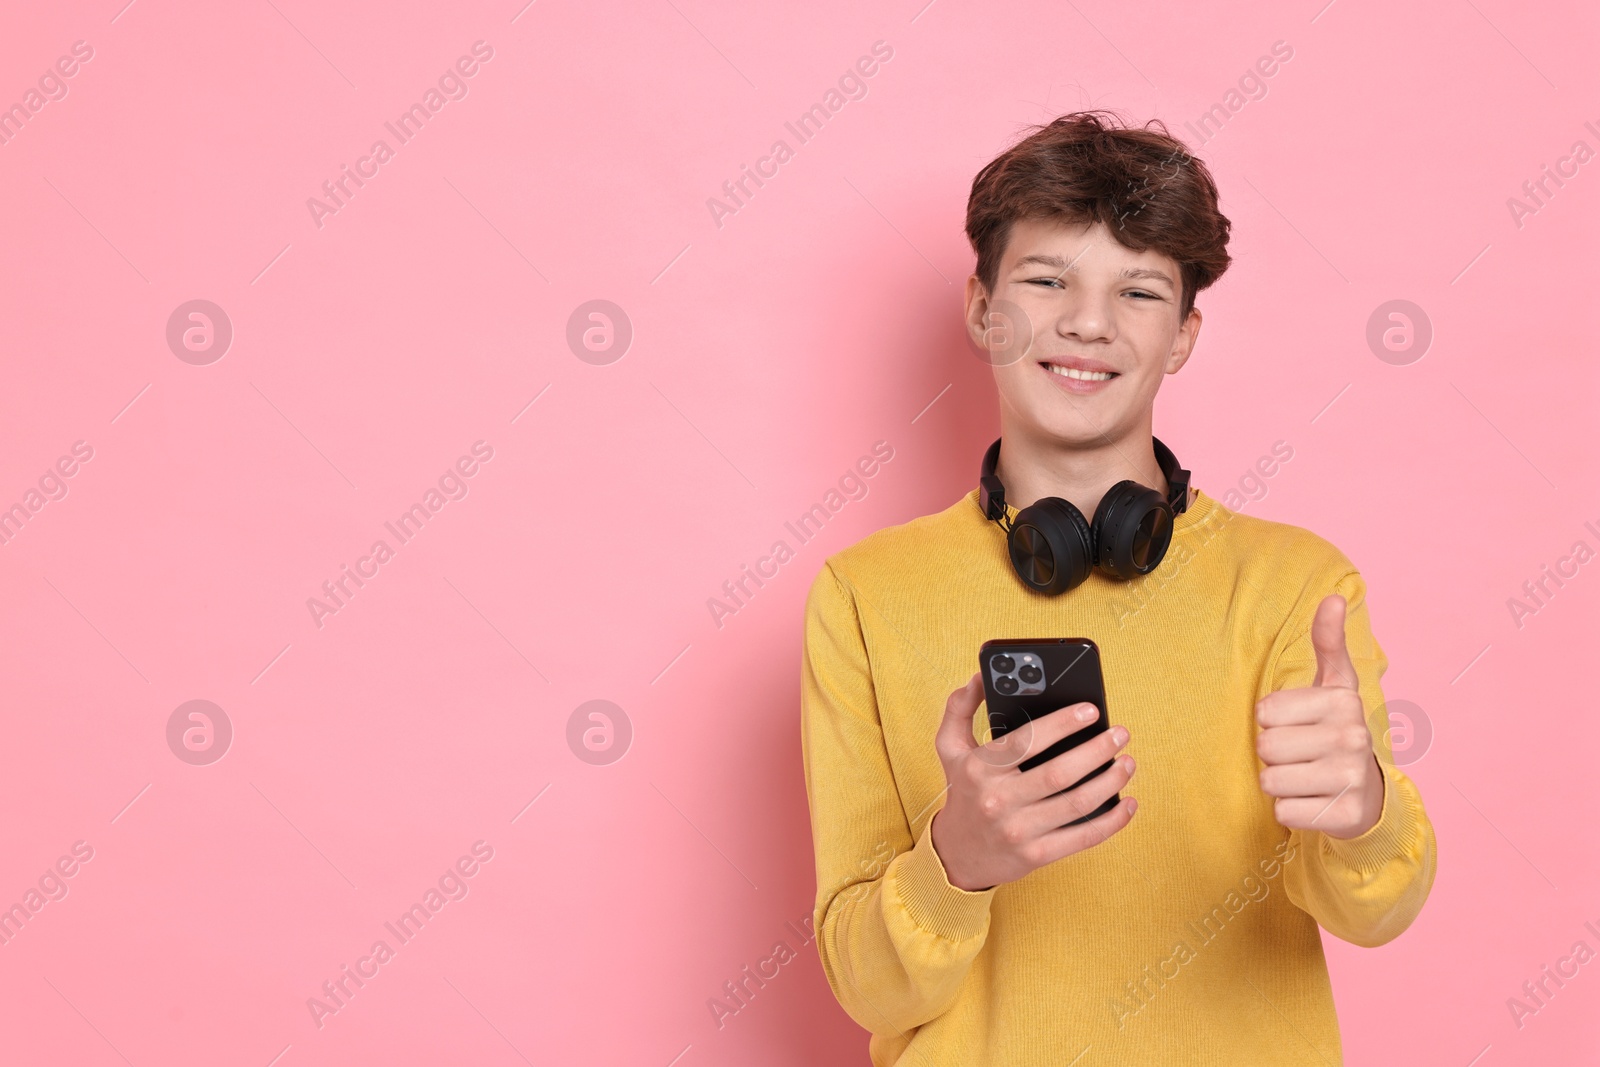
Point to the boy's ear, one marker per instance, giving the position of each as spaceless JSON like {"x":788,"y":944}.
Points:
{"x":976,"y":303}
{"x":999,"y":331}
{"x":1183,"y":344}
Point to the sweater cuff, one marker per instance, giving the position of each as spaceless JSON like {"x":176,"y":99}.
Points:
{"x":920,"y":884}
{"x":1392,"y":836}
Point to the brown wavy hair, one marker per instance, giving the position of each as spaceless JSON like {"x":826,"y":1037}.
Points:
{"x":1089,"y":166}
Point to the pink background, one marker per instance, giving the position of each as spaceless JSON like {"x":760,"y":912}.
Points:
{"x":768,"y":354}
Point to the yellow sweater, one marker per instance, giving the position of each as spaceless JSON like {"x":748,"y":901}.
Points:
{"x":1191,"y":936}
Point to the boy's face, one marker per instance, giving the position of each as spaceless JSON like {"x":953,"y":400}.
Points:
{"x":1088,"y":304}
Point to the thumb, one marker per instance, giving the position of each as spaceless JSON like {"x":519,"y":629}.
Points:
{"x":955,"y":730}
{"x":1334,"y":667}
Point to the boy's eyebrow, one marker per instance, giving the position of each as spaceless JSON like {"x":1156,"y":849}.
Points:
{"x":1147,"y":272}
{"x":1048,"y":260}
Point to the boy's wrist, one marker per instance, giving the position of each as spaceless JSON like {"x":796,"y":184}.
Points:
{"x":919,"y":881}
{"x":955,"y":878}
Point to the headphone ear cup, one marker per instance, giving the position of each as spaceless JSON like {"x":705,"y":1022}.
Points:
{"x":1132,"y":529}
{"x":1051,"y":546}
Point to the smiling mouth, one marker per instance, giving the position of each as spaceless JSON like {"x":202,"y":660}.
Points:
{"x":1079,"y":375}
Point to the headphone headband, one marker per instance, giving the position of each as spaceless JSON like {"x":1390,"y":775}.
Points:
{"x":992,"y":495}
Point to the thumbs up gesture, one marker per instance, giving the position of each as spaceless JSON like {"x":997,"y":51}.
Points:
{"x":1315,"y":743}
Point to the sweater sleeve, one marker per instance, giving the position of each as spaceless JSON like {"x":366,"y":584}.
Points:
{"x":895,"y":937}
{"x":1365,"y":889}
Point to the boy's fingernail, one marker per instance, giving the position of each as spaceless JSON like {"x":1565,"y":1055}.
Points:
{"x":1119,"y":735}
{"x":1086,"y":713}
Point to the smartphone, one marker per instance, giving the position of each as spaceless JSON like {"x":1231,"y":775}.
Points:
{"x":1024,"y":680}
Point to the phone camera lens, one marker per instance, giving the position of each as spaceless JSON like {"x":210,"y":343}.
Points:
{"x":1006,"y":684}
{"x":1030,"y":674}
{"x":1003,"y":664}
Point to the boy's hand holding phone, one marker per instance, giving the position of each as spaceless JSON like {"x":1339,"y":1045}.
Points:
{"x":1000,"y":823}
{"x":1316,"y":745}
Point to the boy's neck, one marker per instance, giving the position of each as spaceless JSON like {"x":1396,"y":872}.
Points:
{"x":1034,"y":466}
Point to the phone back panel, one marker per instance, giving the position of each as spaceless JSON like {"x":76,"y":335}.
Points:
{"x":1069,"y":674}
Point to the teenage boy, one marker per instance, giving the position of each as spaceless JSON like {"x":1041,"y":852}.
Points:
{"x":959,"y":919}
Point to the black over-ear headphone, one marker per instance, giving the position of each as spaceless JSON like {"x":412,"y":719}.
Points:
{"x":1054,"y":549}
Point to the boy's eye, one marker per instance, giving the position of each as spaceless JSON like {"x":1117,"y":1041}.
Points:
{"x":1056,"y":283}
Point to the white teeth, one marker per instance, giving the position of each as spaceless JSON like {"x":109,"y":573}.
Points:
{"x":1081,"y":375}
